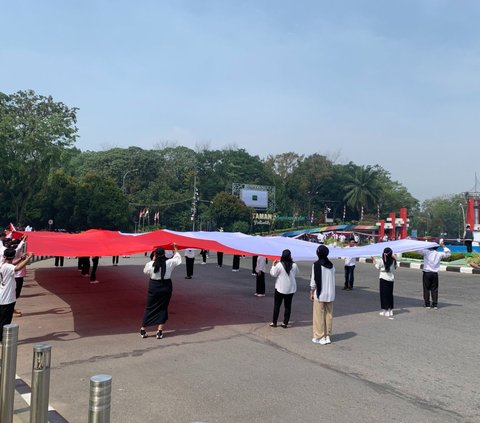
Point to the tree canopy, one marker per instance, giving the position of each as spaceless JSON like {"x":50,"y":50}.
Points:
{"x":45,"y":177}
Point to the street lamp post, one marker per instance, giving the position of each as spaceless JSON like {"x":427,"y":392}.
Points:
{"x":463,"y":215}
{"x":125,"y":175}
{"x":310,"y":194}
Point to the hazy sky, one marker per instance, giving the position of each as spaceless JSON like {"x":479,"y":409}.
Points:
{"x":395,"y":83}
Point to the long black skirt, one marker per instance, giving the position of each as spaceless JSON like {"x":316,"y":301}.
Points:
{"x":158,"y":298}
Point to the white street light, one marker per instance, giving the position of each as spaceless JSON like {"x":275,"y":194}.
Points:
{"x":125,"y":175}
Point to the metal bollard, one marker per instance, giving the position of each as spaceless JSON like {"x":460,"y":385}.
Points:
{"x":100,"y":397}
{"x":40,"y":383}
{"x":7,"y":377}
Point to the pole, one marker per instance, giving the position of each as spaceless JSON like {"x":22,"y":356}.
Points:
{"x":463,"y":216}
{"x":40,"y":383}
{"x":7,"y":377}
{"x":100,"y":398}
{"x":124,"y":176}
{"x":194,"y":202}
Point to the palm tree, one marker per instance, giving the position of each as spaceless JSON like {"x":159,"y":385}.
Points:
{"x":361,"y":188}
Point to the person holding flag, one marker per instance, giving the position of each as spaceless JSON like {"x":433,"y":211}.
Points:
{"x":159,"y":269}
{"x":8,"y":285}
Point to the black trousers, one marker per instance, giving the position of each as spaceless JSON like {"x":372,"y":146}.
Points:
{"x":254,"y":263}
{"x":468,"y":244}
{"x":203,"y":253}
{"x":288,"y":306}
{"x":349,"y":276}
{"x":59,"y":261}
{"x":260,"y":289}
{"x":84,"y":265}
{"x":236,"y":262}
{"x":430,"y":286}
{"x":18,"y":289}
{"x":115,"y":260}
{"x":93,"y":275}
{"x":6,"y":315}
{"x":386,"y":294}
{"x":219,"y":259}
{"x":189,"y":264}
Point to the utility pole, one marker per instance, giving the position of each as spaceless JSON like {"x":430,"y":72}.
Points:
{"x":194,"y":202}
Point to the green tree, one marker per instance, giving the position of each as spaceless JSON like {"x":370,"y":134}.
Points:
{"x":307,"y":185}
{"x":392,"y":194}
{"x":99,"y":203}
{"x":439,"y":216}
{"x":361,"y":188}
{"x":57,"y":201}
{"x":227,"y":210}
{"x":284,"y":164}
{"x":34,"y":131}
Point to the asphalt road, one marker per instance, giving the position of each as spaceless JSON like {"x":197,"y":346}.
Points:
{"x":221,"y":362}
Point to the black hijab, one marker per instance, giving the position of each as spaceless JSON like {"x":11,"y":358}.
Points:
{"x":159,"y":261}
{"x":322,"y":254}
{"x":287,"y":261}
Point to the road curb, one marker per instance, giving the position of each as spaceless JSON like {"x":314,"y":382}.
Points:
{"x":443,"y":268}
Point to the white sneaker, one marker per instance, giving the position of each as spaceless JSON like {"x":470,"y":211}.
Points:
{"x":390,"y":313}
{"x":323,"y":341}
{"x":316,"y":340}
{"x":327,"y":340}
{"x":383,"y":313}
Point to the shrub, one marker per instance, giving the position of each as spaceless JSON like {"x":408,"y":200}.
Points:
{"x":418,"y":256}
{"x":474,"y":259}
{"x":412,"y":255}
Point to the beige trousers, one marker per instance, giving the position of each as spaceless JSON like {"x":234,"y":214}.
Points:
{"x":322,"y":319}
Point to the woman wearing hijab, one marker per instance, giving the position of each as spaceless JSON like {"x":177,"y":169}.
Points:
{"x":159,"y":289}
{"x":285,"y":286}
{"x":322,"y":294}
{"x":386,"y":265}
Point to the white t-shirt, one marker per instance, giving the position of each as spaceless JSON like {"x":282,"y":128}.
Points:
{"x":387,"y":276}
{"x":190,"y":253}
{"x":350,"y":261}
{"x":261,"y":264}
{"x":432,"y":258}
{"x":328,"y":285}
{"x":7,"y":284}
{"x":170,"y":265}
{"x":285,"y":283}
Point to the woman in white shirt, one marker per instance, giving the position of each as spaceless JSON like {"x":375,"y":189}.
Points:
{"x":285,"y":286}
{"x":387,"y":264}
{"x":159,"y":289}
{"x":322,"y":294}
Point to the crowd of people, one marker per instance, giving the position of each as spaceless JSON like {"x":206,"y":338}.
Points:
{"x":163,"y":262}
{"x":284,"y":270}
